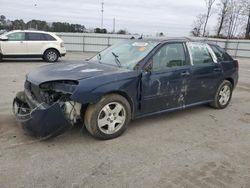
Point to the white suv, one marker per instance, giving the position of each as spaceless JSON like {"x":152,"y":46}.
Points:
{"x":31,"y":44}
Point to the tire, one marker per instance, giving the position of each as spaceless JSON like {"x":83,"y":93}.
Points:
{"x":1,"y":57}
{"x":108,"y":118}
{"x":223,"y":95}
{"x":51,"y":55}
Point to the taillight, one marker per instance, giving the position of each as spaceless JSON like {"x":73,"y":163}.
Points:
{"x":236,"y":64}
{"x":62,"y":44}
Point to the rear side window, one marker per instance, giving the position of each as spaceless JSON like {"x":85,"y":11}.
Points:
{"x":200,"y":53}
{"x":34,"y":36}
{"x":39,"y":37}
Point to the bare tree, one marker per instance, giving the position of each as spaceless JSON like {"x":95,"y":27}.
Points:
{"x":247,"y":35}
{"x":247,"y":13}
{"x":236,"y":12}
{"x":209,"y":5}
{"x":223,"y":11}
{"x":198,"y":25}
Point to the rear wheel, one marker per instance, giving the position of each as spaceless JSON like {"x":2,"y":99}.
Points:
{"x":223,"y":95}
{"x":108,"y":118}
{"x":51,"y":55}
{"x":1,"y":57}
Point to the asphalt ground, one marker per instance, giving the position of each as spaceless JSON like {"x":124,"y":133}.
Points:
{"x":197,"y":147}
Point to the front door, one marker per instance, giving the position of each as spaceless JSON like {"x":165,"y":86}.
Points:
{"x":166,"y":85}
{"x":15,"y":45}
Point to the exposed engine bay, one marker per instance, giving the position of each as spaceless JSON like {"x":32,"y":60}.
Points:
{"x":51,"y":104}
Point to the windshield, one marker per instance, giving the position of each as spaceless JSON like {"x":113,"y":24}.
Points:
{"x":125,"y":54}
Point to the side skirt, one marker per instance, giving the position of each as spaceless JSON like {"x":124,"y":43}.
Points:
{"x":23,"y":56}
{"x":172,"y":109}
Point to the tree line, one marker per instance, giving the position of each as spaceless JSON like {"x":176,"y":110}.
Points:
{"x":233,"y":19}
{"x":6,"y":24}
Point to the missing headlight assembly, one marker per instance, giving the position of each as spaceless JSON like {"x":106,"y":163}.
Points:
{"x":47,"y":110}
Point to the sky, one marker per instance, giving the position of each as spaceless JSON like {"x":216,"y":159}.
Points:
{"x":172,"y":17}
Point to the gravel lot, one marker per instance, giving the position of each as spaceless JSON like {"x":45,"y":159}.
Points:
{"x":198,"y":147}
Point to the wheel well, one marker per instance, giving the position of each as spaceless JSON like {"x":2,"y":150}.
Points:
{"x":125,"y":95}
{"x":230,"y":80}
{"x":52,"y":49}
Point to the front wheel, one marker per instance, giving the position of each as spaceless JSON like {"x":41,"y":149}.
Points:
{"x":223,"y":95}
{"x":51,"y":56}
{"x":108,"y":118}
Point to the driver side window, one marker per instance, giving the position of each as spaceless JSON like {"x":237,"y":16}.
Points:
{"x":170,"y":55}
{"x":19,"y":36}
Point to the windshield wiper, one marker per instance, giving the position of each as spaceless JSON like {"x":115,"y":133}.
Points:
{"x":117,"y":59}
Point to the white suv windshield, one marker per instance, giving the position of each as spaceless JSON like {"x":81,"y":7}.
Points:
{"x":125,"y":54}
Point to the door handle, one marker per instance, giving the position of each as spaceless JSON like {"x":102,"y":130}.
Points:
{"x":185,"y":73}
{"x":217,"y":69}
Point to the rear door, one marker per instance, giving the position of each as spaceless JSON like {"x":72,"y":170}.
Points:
{"x":207,"y":74}
{"x":15,"y":45}
{"x":35,"y":43}
{"x":165,"y":86}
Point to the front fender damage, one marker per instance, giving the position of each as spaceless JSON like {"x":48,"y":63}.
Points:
{"x":45,"y":121}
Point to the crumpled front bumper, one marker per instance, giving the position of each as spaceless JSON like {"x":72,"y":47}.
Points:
{"x":41,"y":122}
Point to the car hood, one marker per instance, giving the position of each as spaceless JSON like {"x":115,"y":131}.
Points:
{"x":71,"y":71}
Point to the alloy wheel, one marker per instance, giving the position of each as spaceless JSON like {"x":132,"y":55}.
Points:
{"x":224,"y":95}
{"x":111,"y":118}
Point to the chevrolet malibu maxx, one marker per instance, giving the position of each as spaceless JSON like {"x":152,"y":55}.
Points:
{"x":129,"y":80}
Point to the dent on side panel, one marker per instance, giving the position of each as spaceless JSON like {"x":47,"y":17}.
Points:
{"x":164,"y":91}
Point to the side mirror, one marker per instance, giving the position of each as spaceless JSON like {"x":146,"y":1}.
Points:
{"x":4,"y":38}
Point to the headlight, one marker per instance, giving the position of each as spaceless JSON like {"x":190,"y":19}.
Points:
{"x":66,"y":87}
{"x":51,"y":92}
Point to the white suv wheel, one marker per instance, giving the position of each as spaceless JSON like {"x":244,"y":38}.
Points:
{"x":51,"y":55}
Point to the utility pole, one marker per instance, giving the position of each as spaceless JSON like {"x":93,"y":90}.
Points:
{"x":113,"y":25}
{"x":102,"y":14}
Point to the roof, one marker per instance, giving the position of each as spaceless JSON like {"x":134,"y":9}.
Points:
{"x":164,"y":39}
{"x":34,"y":31}
{"x":174,"y":39}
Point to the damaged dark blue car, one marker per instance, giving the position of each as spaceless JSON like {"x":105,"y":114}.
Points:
{"x":129,"y":80}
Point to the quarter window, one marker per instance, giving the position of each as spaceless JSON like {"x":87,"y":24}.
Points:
{"x":19,"y":36}
{"x":170,"y":55}
{"x":220,"y":53}
{"x":200,"y":53}
{"x":48,"y":37}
